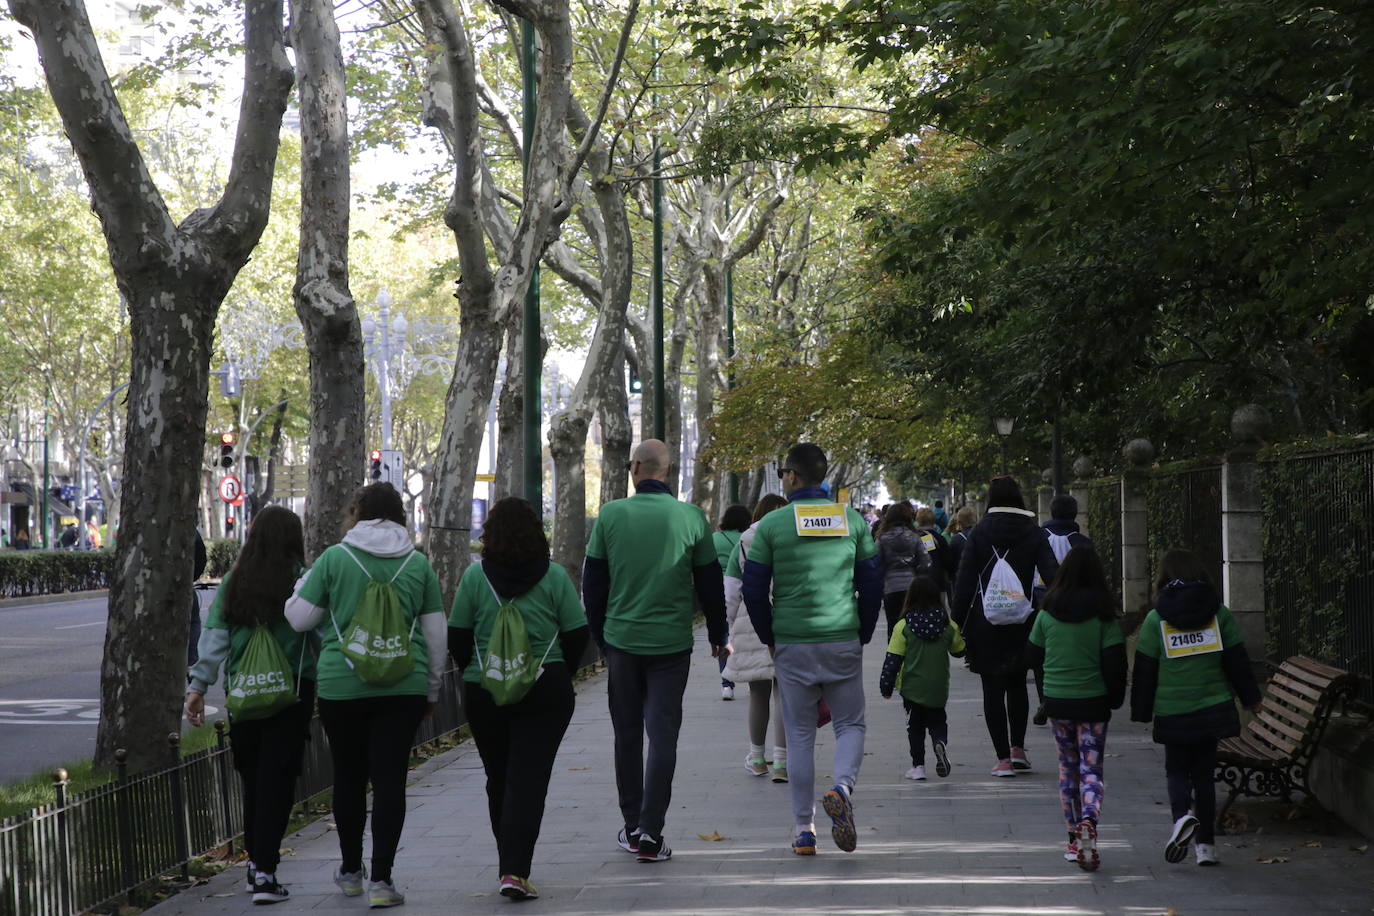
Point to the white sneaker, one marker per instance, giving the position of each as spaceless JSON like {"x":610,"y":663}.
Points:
{"x":351,"y":883}
{"x":384,"y":893}
{"x":727,"y":692}
{"x":1206,"y":854}
{"x":916,"y":773}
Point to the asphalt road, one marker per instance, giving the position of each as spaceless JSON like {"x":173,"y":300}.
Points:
{"x":50,"y":684}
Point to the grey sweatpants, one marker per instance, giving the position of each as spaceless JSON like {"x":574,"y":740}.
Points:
{"x":808,"y":673}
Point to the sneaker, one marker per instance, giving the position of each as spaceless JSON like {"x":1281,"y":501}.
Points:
{"x":756,"y":765}
{"x":1206,"y":854}
{"x":267,"y":890}
{"x":1176,"y":850}
{"x":384,"y":893}
{"x":351,"y":882}
{"x":652,"y":850}
{"x":805,"y":843}
{"x":252,"y":873}
{"x":1019,"y":761}
{"x":837,"y":804}
{"x":727,"y":691}
{"x":916,"y":773}
{"x":780,"y":774}
{"x":1088,"y":859}
{"x":1071,"y":850}
{"x":1040,"y":717}
{"x":628,"y":840}
{"x":1004,"y":768}
{"x":941,"y":760}
{"x":517,"y":888}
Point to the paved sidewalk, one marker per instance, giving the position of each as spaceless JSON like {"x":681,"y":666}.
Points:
{"x":969,"y":844}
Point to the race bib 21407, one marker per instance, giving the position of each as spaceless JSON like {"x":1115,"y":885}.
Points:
{"x":827,"y":520}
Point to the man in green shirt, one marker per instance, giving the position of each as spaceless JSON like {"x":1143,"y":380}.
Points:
{"x":647,"y":555}
{"x":815,"y":558}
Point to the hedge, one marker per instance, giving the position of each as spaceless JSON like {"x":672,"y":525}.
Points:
{"x":48,"y":572}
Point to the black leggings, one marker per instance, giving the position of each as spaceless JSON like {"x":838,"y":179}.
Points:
{"x":1006,"y":707}
{"x":267,"y":754}
{"x":892,"y":609}
{"x":518,"y":744}
{"x":919,"y":720}
{"x":370,"y":739}
{"x":1190,"y":769}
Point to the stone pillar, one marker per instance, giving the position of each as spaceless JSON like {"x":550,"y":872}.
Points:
{"x":1242,"y":536}
{"x":1135,"y":548}
{"x":1083,"y":470}
{"x":1045,"y":495}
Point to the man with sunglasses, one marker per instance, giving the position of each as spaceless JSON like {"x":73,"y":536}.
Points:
{"x":648,"y":556}
{"x":827,"y":592}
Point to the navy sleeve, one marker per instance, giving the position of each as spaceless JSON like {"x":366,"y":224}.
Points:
{"x":709,"y":580}
{"x":892,"y":663}
{"x":1114,"y":673}
{"x":573,"y":645}
{"x":461,"y":641}
{"x":1144,"y":681}
{"x":1235,"y":662}
{"x":758,"y":578}
{"x":596,"y":591}
{"x":868,"y":581}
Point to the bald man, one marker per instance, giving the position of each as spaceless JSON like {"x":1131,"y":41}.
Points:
{"x":648,"y":556}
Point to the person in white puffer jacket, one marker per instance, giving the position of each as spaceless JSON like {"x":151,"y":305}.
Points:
{"x":750,"y":661}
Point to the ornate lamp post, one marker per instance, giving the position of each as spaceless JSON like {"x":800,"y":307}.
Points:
{"x":1004,"y":426}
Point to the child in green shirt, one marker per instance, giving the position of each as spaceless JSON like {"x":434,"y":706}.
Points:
{"x":917,"y":666}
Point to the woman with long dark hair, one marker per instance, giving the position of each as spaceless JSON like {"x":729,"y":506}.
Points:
{"x":267,"y":751}
{"x":370,"y":720}
{"x":1007,"y":534}
{"x":902,"y":554}
{"x":519,"y":741}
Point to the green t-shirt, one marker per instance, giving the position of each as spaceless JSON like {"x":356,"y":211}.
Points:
{"x":924,"y":677}
{"x":294,"y":645}
{"x":813,"y":577}
{"x":336,"y":584}
{"x":551,"y":607}
{"x":651,"y":543}
{"x":1190,"y":682}
{"x":725,"y":542}
{"x":1073,"y":654}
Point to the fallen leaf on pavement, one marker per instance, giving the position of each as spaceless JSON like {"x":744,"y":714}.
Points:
{"x":1271,"y":860}
{"x":712,"y":837}
{"x":1360,"y":848}
{"x":1313,"y":844}
{"x":575,"y":769}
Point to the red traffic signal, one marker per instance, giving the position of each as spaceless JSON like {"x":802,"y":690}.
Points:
{"x":374,"y":470}
{"x":375,"y":454}
{"x":228,"y":438}
{"x":226,"y":449}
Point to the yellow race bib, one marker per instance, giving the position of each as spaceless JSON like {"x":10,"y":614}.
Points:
{"x":1184,"y":643}
{"x":827,"y":520}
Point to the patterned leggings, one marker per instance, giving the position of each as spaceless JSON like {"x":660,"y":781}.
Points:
{"x":1081,"y":748}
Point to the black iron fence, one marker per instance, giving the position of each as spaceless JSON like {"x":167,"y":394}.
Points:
{"x":1319,"y":559}
{"x":87,"y":850}
{"x":1183,"y":510}
{"x":1104,"y":527}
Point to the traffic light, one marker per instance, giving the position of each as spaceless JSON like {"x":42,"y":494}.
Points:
{"x":226,"y":449}
{"x":636,"y":383}
{"x":375,"y":464}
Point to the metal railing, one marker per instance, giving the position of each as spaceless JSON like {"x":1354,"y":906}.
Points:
{"x":1183,"y":510}
{"x":85,"y":850}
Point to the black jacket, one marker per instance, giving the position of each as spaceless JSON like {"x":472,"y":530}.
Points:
{"x":999,"y":649}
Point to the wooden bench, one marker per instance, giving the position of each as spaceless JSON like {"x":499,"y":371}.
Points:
{"x":1273,"y":754}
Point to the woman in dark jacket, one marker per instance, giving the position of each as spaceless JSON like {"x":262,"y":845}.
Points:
{"x":997,"y":652}
{"x":902,"y":555}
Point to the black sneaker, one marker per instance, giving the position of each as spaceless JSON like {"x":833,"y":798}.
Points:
{"x":941,"y":760}
{"x":652,"y":850}
{"x":628,"y":840}
{"x":1041,"y":717}
{"x":267,"y":890}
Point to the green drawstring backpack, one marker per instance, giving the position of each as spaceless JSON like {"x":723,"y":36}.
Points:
{"x":263,"y":683}
{"x":509,"y":670}
{"x":377,"y":647}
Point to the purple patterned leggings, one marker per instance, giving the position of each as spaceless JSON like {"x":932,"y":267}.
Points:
{"x":1081,"y":749}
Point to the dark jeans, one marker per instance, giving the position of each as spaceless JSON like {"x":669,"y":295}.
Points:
{"x":724,"y":681}
{"x":645,"y":693}
{"x":1190,"y":769}
{"x":892,"y":609}
{"x":370,"y":740}
{"x":267,"y":754}
{"x":518,"y":744}
{"x":193,"y":634}
{"x":1006,"y":706}
{"x":919,"y":720}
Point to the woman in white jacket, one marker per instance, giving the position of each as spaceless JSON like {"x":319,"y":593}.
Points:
{"x":750,"y":661}
{"x":371,"y":727}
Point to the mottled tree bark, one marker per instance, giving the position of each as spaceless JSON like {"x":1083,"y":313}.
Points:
{"x":328,"y":314}
{"x":173,"y":278}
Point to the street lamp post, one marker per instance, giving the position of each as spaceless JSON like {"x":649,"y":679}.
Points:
{"x":389,"y":333}
{"x":1004,"y":427}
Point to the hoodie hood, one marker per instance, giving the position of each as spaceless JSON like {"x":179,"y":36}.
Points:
{"x":1005,"y":527}
{"x":514,"y":581}
{"x":380,"y":537}
{"x":1187,"y":605}
{"x":1076,"y":605}
{"x":927,"y":623}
